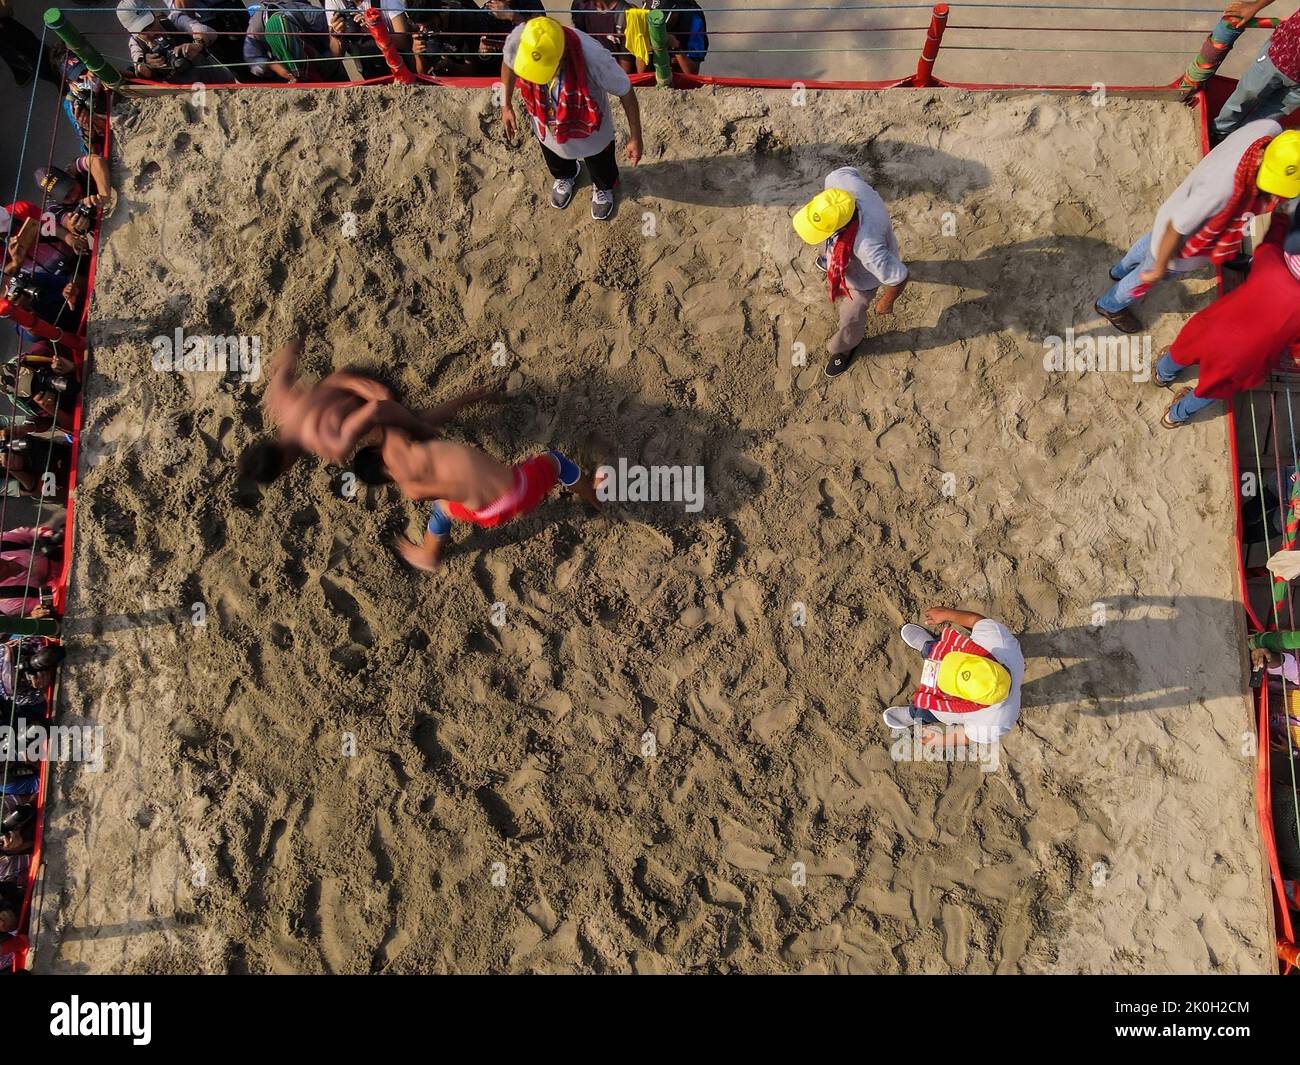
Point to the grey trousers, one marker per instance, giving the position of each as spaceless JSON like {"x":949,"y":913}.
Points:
{"x":1263,"y":92}
{"x":853,"y":322}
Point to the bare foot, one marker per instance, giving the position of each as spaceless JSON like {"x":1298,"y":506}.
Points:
{"x":585,"y":489}
{"x":418,"y":556}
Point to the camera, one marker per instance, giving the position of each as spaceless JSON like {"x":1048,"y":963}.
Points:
{"x":45,"y":379}
{"x":18,"y":286}
{"x":84,"y":211}
{"x":170,"y":58}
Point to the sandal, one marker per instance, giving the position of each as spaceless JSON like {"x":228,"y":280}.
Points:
{"x":1167,"y":421}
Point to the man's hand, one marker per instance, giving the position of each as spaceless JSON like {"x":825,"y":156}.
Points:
{"x":936,"y":615}
{"x":1156,"y":273}
{"x":336,"y":24}
{"x":633,"y":150}
{"x":193,"y":49}
{"x":1244,"y":9}
{"x":72,"y":292}
{"x":509,"y":123}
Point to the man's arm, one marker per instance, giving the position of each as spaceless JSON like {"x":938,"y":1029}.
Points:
{"x":401,"y":32}
{"x":508,"y":121}
{"x":358,"y":384}
{"x":98,"y":169}
{"x":1170,"y":241}
{"x":284,"y":369}
{"x":938,"y":615}
{"x":444,"y":412}
{"x":355,"y":426}
{"x":632,"y":109}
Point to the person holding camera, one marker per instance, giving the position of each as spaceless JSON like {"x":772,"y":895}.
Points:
{"x":70,"y":201}
{"x":348,"y":26}
{"x":35,"y":466}
{"x":446,"y":40}
{"x":25,"y":569}
{"x":158,"y":50}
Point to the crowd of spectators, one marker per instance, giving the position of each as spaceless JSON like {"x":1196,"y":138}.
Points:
{"x":45,"y":259}
{"x":222,"y":41}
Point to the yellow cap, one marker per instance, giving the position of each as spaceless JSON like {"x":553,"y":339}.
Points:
{"x":975,"y":679}
{"x":824,"y":215}
{"x":541,"y":47}
{"x":1279,"y":173}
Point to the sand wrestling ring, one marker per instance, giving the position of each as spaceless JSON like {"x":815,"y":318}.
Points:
{"x":224,"y":847}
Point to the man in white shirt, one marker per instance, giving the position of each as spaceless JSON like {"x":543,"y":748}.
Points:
{"x":566,"y":79}
{"x":1208,"y":190}
{"x":971,"y":684}
{"x":861,"y":255}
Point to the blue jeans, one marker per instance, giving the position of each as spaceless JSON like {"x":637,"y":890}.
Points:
{"x":1167,"y":371}
{"x":1263,"y":92}
{"x":1136,"y":261}
{"x":1187,"y":406}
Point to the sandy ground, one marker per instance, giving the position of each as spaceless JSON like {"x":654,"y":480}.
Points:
{"x":351,"y":768}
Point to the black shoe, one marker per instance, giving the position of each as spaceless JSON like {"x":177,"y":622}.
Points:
{"x":838,"y":364}
{"x":1125,"y":321}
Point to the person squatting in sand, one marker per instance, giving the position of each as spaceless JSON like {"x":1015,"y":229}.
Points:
{"x":333,"y":417}
{"x":861,"y":254}
{"x":1205,"y":219}
{"x":565,"y":80}
{"x":969,"y":683}
{"x":466,"y":484}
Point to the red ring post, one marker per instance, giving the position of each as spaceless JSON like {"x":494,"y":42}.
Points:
{"x":933,"y":38}
{"x":41,"y":328}
{"x":379,"y":31}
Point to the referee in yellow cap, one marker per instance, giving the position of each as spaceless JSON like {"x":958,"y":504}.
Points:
{"x":860,"y":256}
{"x":565,"y":79}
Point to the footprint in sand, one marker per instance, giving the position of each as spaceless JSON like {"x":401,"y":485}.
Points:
{"x":956,"y":927}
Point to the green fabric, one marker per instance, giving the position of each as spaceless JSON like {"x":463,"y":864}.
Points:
{"x":284,"y":47}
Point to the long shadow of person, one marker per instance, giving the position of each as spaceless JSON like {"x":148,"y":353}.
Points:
{"x":1038,"y":288}
{"x":1147,"y":653}
{"x":774,"y":175}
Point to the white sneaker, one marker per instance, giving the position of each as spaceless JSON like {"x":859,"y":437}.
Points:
{"x":602,"y":204}
{"x":898,"y":717}
{"x":562,"y":192}
{"x":915,"y":636}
